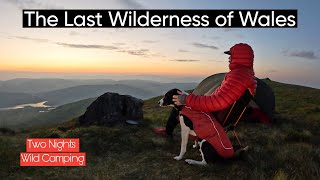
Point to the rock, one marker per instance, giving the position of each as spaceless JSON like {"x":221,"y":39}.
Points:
{"x":112,"y":108}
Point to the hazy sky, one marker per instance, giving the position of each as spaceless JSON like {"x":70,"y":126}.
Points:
{"x":286,"y":55}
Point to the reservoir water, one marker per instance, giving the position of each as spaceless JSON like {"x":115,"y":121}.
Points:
{"x":35,"y":105}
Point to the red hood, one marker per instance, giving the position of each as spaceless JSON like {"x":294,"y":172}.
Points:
{"x":241,"y":55}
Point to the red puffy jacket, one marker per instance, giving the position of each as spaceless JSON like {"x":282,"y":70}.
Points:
{"x":240,"y":78}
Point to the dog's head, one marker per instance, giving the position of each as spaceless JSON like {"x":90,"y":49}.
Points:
{"x":167,"y":99}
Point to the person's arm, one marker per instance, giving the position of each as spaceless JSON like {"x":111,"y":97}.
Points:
{"x":230,"y":90}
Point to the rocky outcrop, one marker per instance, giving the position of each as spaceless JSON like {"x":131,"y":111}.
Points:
{"x":112,"y":108}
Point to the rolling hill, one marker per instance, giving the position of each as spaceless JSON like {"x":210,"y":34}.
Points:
{"x":60,"y":91}
{"x":8,"y":99}
{"x":289,"y":149}
{"x":31,"y":117}
{"x":34,"y":86}
{"x":31,"y":86}
{"x":77,"y":93}
{"x":18,"y":117}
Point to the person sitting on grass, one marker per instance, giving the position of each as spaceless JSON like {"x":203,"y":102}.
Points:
{"x":199,"y":108}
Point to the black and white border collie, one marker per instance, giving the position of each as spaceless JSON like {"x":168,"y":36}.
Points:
{"x":208,"y":153}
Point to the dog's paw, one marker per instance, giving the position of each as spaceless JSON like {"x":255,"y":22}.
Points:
{"x":195,"y":145}
{"x":190,"y":161}
{"x":193,"y":162}
{"x":178,"y":158}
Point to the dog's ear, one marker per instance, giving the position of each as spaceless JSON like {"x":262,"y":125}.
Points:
{"x":176,"y":91}
{"x":183,"y":92}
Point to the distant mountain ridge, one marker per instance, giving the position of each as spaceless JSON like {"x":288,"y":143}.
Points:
{"x":72,"y":94}
{"x":25,"y":85}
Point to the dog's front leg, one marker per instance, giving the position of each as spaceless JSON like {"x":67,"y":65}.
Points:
{"x":184,"y":142}
{"x":185,"y":130}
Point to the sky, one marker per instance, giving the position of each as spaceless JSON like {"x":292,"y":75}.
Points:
{"x":290,"y":55}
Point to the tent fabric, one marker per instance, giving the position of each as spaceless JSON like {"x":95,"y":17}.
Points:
{"x":209,"y":84}
{"x":265,"y":98}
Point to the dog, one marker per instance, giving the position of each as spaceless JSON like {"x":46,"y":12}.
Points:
{"x":208,"y":153}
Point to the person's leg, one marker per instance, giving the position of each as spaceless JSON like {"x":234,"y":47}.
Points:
{"x":207,"y":127}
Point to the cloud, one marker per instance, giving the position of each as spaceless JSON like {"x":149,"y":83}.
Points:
{"x":183,"y":50}
{"x":201,"y":45}
{"x":149,"y":41}
{"x":240,"y":36}
{"x":136,"y":52}
{"x":158,"y":55}
{"x":139,"y":52}
{"x":5,"y":35}
{"x":36,"y":4}
{"x":306,"y":54}
{"x":132,"y":4}
{"x":87,"y":46}
{"x":230,"y":29}
{"x":74,"y":33}
{"x":31,"y":39}
{"x":119,"y":44}
{"x":184,"y":60}
{"x":204,"y":36}
{"x":272,"y":70}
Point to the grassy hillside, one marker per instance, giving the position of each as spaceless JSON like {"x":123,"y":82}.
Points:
{"x":300,"y":105}
{"x":289,"y":149}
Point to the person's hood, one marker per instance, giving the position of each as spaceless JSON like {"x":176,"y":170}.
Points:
{"x":241,"y":55}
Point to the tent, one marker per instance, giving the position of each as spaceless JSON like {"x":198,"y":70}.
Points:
{"x":264,"y":97}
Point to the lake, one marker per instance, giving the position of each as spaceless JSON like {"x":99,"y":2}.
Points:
{"x":35,"y":105}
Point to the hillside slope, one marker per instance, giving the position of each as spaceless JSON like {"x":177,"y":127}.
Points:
{"x":61,"y":91}
{"x":26,"y":85}
{"x":299,"y":104}
{"x":59,"y":115}
{"x":77,"y":93}
{"x":289,"y":149}
{"x":31,"y":117}
{"x":8,"y":99}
